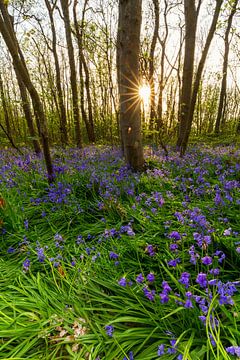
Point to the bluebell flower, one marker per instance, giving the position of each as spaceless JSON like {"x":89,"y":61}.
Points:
{"x":207,"y":260}
{"x":26,"y":265}
{"x":202,"y":280}
{"x":109,"y":330}
{"x":122,"y":282}
{"x":140,"y":278}
{"x":161,"y":350}
{"x":150,"y":277}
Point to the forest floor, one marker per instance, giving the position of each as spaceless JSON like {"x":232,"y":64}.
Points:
{"x":106,"y":264}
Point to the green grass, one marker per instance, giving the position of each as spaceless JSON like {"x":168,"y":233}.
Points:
{"x":60,"y":306}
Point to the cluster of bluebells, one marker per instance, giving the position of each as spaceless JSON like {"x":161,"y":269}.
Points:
{"x":198,"y":178}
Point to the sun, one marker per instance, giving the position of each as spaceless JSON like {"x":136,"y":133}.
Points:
{"x":145,"y":93}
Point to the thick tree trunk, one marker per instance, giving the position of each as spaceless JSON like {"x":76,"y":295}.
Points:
{"x":128,"y":73}
{"x":222,"y":98}
{"x":10,"y":39}
{"x":73,"y":74}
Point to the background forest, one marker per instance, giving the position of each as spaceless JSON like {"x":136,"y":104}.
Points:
{"x":70,"y":53}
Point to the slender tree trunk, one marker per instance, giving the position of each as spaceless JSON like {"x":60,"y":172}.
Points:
{"x":5,"y":108}
{"x":222,"y":98}
{"x":73,"y":75}
{"x":83,"y":65}
{"x":63,"y":115}
{"x":188,"y":66}
{"x":10,"y":39}
{"x":28,"y":113}
{"x":128,"y":60}
{"x":197,"y":81}
{"x":151,"y":66}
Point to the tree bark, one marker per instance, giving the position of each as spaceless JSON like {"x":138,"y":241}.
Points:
{"x":151,"y":66}
{"x":63,"y":115}
{"x":83,"y":66}
{"x":4,"y":106}
{"x":190,"y":14}
{"x":222,"y":98}
{"x":128,"y":73}
{"x":197,"y":81}
{"x":73,"y":74}
{"x":10,"y":39}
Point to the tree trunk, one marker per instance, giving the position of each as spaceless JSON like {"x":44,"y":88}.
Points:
{"x":151,"y":66}
{"x":4,"y":106}
{"x":10,"y":39}
{"x":28,"y":113}
{"x":128,"y":73}
{"x":222,"y":98}
{"x":83,"y":65}
{"x":197,"y":81}
{"x":63,"y":115}
{"x":188,"y":66}
{"x":73,"y":75}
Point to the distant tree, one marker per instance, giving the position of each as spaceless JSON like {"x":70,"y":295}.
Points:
{"x":223,"y":92}
{"x":20,"y":66}
{"x":129,"y":25}
{"x":151,"y":64}
{"x":62,"y":108}
{"x":191,"y":14}
{"x":73,"y":73}
{"x":187,"y":112}
{"x":83,"y":70}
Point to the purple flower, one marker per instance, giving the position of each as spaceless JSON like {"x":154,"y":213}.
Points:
{"x":175,"y":235}
{"x":166,"y":287}
{"x":122,"y":282}
{"x":215,"y":271}
{"x":26,"y":224}
{"x":202,"y":280}
{"x":113,"y":255}
{"x":173,"y":247}
{"x":150,"y":294}
{"x":150,"y":277}
{"x":150,"y":250}
{"x":58,"y":237}
{"x":185,"y":277}
{"x":130,"y":356}
{"x":230,"y":350}
{"x":40,"y":254}
{"x":233,"y":350}
{"x":26,"y":265}
{"x":140,"y":278}
{"x":203,"y":319}
{"x":161,"y":350}
{"x":227,"y":232}
{"x":207,"y":260}
{"x":10,"y":250}
{"x":109,"y":330}
{"x":221,"y":255}
{"x":164,"y":298}
{"x":188,"y":304}
{"x":174,"y":262}
{"x":213,"y":282}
